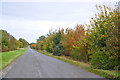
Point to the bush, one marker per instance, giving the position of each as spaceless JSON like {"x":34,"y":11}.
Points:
{"x":103,"y":60}
{"x":58,"y":50}
{"x":80,"y":54}
{"x":4,"y":48}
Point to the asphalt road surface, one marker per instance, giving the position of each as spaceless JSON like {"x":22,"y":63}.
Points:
{"x":33,"y":64}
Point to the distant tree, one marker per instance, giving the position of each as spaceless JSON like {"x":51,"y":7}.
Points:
{"x":41,"y":38}
{"x":33,"y":45}
{"x":39,"y":45}
{"x":5,"y":40}
{"x":40,"y":42}
{"x":53,"y":40}
{"x":9,"y":42}
{"x":24,"y":42}
{"x":13,"y":45}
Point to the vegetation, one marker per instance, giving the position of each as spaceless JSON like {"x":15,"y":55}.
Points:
{"x":103,"y":39}
{"x":98,"y":45}
{"x":8,"y":57}
{"x":11,"y":43}
{"x":23,"y":43}
{"x":8,"y":48}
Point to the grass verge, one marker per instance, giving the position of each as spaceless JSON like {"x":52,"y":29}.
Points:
{"x":8,"y":57}
{"x":112,"y":75}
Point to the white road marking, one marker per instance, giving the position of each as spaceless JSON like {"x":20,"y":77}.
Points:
{"x":39,"y":73}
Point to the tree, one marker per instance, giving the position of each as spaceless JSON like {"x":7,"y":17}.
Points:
{"x":5,"y":40}
{"x":39,"y":45}
{"x":102,"y":36}
{"x":40,"y":42}
{"x":80,"y":47}
{"x":33,"y":46}
{"x":41,"y":38}
{"x":24,"y":42}
{"x":59,"y":50}
{"x":13,"y":45}
{"x":9,"y":42}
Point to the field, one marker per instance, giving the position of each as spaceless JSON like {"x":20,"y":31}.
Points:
{"x":7,"y":58}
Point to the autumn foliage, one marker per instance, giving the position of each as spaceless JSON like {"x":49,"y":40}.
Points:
{"x":8,"y":42}
{"x":98,"y":45}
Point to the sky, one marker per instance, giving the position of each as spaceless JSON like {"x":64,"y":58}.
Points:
{"x":34,"y":18}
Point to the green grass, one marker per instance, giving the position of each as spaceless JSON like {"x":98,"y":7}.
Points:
{"x":112,"y":75}
{"x":7,"y":58}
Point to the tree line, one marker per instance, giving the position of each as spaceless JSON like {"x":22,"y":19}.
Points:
{"x":9,"y":43}
{"x":98,"y":45}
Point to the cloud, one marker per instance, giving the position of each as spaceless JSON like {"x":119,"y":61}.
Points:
{"x":31,"y":20}
{"x":31,"y":29}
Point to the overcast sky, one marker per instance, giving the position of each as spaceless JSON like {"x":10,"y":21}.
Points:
{"x":32,"y":19}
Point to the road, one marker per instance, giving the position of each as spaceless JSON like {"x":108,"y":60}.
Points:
{"x":33,"y":64}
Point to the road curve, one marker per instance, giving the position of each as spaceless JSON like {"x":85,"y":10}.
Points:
{"x":33,"y":64}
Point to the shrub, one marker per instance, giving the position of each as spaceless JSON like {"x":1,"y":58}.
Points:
{"x":58,"y":50}
{"x":80,"y":53}
{"x":4,"y":48}
{"x":103,"y":60}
